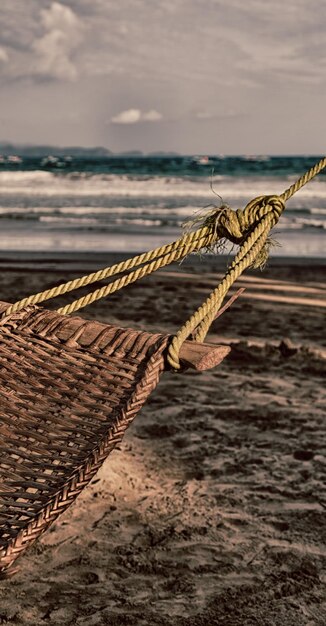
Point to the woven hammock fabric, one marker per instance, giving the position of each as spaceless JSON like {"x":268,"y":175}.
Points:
{"x":69,"y":388}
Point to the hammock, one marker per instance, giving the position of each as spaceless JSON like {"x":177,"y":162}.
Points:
{"x":69,"y":387}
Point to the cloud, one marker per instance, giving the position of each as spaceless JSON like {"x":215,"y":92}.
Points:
{"x":235,"y":43}
{"x":151,"y":116}
{"x":109,"y":62}
{"x":134,"y":116}
{"x":54,"y":50}
{"x":218,"y":112}
{"x":4,"y":57}
{"x":204,"y":115}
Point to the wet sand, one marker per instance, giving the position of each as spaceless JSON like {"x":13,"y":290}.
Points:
{"x":213,"y":509}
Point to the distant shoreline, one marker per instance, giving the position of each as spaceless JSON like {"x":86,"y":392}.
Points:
{"x":8,"y":148}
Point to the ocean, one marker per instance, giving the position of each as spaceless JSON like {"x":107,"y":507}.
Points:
{"x":133,"y":203}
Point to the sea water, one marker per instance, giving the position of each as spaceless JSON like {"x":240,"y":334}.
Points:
{"x":133,"y":203}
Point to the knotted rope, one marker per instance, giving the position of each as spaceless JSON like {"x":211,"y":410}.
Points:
{"x":249,"y":228}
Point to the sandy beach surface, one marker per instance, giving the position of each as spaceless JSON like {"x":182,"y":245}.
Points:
{"x":212,"y":511}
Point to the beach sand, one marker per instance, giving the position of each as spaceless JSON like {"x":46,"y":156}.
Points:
{"x":212,"y":511}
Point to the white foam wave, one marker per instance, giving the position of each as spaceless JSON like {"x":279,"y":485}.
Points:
{"x":309,"y":223}
{"x":53,"y":219}
{"x":16,"y":178}
{"x":152,"y":216}
{"x":232,"y":190}
{"x":99,"y":211}
{"x":316,"y":211}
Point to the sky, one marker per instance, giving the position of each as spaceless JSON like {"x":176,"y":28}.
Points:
{"x":191,"y":76}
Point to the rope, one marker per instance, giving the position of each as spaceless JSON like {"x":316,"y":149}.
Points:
{"x":190,"y":242}
{"x":304,"y":179}
{"x":200,"y":320}
{"x":181,"y":251}
{"x":249,"y":228}
{"x":253,"y":253}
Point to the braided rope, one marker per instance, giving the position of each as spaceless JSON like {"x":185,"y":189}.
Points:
{"x":249,"y":228}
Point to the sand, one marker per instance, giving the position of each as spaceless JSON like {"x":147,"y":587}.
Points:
{"x":213,"y":509}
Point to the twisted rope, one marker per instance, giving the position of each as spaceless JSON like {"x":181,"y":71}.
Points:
{"x":305,"y":178}
{"x":183,"y":249}
{"x":190,"y":242}
{"x":249,"y":228}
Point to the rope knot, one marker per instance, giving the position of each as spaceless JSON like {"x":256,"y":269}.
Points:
{"x":263,"y":206}
{"x":237,"y":225}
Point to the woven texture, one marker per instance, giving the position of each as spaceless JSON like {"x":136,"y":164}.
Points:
{"x":68,"y":390}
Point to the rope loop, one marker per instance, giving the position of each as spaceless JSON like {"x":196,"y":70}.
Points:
{"x":260,"y":207}
{"x":237,"y":225}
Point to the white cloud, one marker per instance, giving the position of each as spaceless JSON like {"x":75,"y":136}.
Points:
{"x":3,"y":55}
{"x":151,"y":116}
{"x":54,"y":50}
{"x":131,"y":116}
{"x":134,"y":116}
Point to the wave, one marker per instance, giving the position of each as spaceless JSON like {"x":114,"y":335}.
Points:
{"x":39,"y":183}
{"x":93,"y":224}
{"x":101,"y":218}
{"x":78,"y":221}
{"x":15,"y":178}
{"x":316,"y":211}
{"x":100,"y":212}
{"x":308,"y":223}
{"x":184,"y":210}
